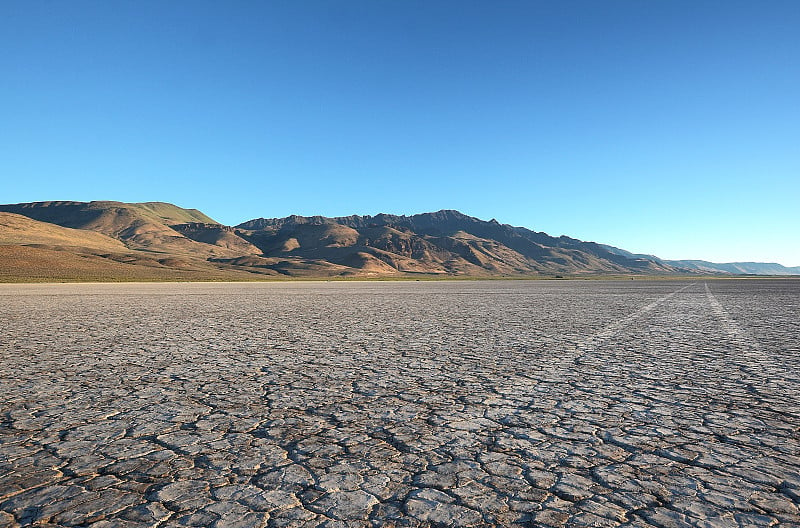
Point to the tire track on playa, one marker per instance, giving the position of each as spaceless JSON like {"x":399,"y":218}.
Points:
{"x":581,"y":352}
{"x":731,"y":327}
{"x":595,"y":341}
{"x":756,"y":361}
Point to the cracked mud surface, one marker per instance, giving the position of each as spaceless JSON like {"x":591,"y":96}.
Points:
{"x":662,"y":404}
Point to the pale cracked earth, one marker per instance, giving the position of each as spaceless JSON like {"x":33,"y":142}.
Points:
{"x":501,"y":403}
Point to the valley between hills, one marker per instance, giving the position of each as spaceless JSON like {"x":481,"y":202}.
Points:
{"x":116,"y":241}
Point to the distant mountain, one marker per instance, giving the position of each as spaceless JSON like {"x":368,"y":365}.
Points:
{"x":110,"y":241}
{"x":18,"y":230}
{"x":105,"y":215}
{"x":160,"y":241}
{"x":628,"y":254}
{"x":736,"y":268}
{"x":445,"y":242}
{"x":150,"y":226}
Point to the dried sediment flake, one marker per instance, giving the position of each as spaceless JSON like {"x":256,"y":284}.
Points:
{"x":401,"y":404}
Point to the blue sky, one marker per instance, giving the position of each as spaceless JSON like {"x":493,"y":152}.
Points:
{"x":664,"y":127}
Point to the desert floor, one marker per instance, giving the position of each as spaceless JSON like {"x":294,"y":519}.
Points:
{"x":533,"y":403}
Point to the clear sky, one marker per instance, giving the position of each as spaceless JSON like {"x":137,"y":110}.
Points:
{"x":664,"y":126}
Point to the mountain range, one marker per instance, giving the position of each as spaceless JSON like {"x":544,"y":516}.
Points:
{"x":105,"y":240}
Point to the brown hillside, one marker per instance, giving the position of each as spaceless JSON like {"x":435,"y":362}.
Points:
{"x":156,"y":239}
{"x":18,"y":229}
{"x":217,"y":235}
{"x":39,"y":264}
{"x":140,"y":226}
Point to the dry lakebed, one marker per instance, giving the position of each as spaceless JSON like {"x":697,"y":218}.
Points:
{"x":348,"y":404}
